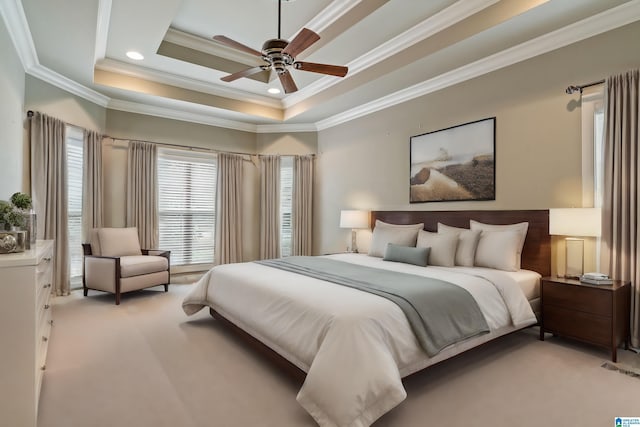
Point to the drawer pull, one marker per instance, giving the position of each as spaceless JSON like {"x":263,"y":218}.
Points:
{"x":47,"y":306}
{"x":48,"y":285}
{"x":43,"y":367}
{"x":45,"y":339}
{"x":51,"y":322}
{"x":47,"y":259}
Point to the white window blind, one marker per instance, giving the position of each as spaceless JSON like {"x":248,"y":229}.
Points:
{"x":74,"y":144}
{"x":187,"y":205}
{"x":286,"y":198}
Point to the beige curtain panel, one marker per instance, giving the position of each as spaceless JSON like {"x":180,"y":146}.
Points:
{"x":92,"y":184}
{"x":302,"y":212}
{"x":229,"y":209}
{"x":269,"y":207}
{"x":142,"y":192}
{"x":47,"y":137}
{"x":621,"y":204}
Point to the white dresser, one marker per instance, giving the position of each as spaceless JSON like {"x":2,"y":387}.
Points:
{"x":25,"y":326}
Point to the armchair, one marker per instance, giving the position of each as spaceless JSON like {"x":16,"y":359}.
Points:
{"x":114,"y":262}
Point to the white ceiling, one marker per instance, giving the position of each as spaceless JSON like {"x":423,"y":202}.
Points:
{"x":395,"y":50}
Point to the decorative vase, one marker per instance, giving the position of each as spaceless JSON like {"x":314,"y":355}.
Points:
{"x":12,"y":241}
{"x":30,"y":228}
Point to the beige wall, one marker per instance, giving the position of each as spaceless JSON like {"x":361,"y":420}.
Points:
{"x":288,"y":143}
{"x":12,"y":82}
{"x":365,"y":163}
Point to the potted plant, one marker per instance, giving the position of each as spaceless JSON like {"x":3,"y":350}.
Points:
{"x":21,"y":201}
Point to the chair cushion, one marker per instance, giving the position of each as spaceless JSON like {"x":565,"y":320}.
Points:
{"x":119,"y":241}
{"x":137,"y":265}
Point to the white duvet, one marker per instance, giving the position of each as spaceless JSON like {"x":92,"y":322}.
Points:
{"x":354,"y":346}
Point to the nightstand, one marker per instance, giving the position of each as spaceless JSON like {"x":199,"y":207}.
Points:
{"x":595,"y":314}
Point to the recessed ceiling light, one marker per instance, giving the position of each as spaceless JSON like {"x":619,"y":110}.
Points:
{"x":135,"y":55}
{"x":273,"y":90}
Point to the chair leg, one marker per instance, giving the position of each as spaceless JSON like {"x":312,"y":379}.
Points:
{"x":166,"y":287}
{"x":118,"y":297}
{"x":86,"y":291}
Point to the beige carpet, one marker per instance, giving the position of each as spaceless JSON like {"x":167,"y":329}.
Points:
{"x":145,"y":363}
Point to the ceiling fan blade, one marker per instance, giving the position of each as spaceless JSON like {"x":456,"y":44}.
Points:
{"x":236,"y":45}
{"x":288,"y":84}
{"x":303,"y":40}
{"x":333,"y":70}
{"x":243,"y":73}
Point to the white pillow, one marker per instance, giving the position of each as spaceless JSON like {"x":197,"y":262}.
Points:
{"x":443,"y":247}
{"x":499,"y":250}
{"x":467,"y":243}
{"x":521,"y":228}
{"x":384,"y":233}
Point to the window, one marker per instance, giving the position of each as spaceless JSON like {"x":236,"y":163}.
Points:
{"x":187,"y":205}
{"x":74,"y":145}
{"x":286,"y":201}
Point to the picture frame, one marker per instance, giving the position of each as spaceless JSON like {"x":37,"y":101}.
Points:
{"x":454,"y":164}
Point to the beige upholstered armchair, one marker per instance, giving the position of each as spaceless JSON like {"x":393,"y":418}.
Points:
{"x":114,"y":262}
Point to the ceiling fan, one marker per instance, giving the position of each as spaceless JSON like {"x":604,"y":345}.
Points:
{"x":279,"y":55}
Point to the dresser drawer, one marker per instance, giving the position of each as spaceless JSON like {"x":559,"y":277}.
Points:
{"x":588,"y":300}
{"x":586,"y":327}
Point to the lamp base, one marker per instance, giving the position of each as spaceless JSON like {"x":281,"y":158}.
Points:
{"x":354,"y":245}
{"x":574,"y":261}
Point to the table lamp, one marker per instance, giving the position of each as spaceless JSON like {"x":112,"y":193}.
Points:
{"x":575,"y":223}
{"x":354,"y":219}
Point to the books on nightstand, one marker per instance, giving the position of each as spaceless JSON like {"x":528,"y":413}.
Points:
{"x":596,"y":279}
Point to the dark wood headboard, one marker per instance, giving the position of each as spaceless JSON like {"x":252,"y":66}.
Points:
{"x":536,"y":254}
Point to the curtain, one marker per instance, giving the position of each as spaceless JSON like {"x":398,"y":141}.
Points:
{"x":142,"y":192}
{"x":92,"y":184}
{"x":229,"y":209}
{"x":269,"y":207}
{"x":621,"y":204}
{"x":47,"y":137}
{"x":302,"y":213}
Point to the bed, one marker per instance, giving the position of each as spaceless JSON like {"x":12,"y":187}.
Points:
{"x":350,"y":348}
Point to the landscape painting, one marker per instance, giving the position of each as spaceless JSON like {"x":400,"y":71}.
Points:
{"x":456,"y":163}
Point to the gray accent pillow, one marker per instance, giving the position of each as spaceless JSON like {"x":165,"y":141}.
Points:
{"x":467,"y":243}
{"x":443,"y":247}
{"x":406,"y":254}
{"x":383,"y":233}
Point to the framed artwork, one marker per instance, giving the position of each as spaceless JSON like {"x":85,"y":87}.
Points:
{"x":454,"y":164}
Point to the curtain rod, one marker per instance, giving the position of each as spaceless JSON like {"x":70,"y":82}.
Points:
{"x":578,"y":88}
{"x":30,"y":114}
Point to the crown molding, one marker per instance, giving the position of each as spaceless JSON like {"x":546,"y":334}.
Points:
{"x":65,"y":83}
{"x":18,"y":28}
{"x":119,"y":67}
{"x":613,"y":18}
{"x":287,"y":128}
{"x":186,"y":113}
{"x":331,"y":14}
{"x":102,"y":29}
{"x":453,"y":14}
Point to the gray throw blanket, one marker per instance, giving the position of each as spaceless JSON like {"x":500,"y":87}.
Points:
{"x":440,"y":313}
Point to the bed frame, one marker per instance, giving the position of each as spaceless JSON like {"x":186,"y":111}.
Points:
{"x":536,"y":256}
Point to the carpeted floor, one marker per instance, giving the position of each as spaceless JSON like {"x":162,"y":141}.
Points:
{"x":145,"y":363}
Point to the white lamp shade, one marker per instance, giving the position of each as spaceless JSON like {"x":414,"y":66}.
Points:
{"x":354,"y":219}
{"x":579,"y":222}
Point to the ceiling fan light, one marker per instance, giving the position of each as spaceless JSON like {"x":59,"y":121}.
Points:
{"x":273,"y":90}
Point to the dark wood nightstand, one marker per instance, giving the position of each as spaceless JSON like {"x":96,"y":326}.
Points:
{"x":595,"y":314}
